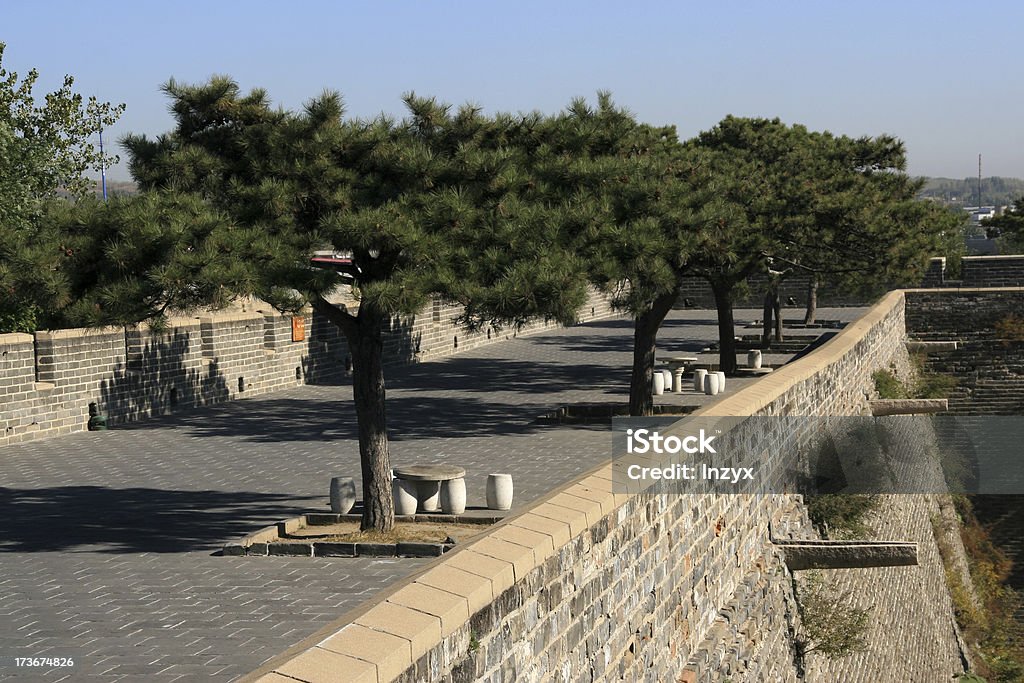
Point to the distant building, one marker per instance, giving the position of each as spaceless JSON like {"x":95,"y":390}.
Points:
{"x":978,"y":213}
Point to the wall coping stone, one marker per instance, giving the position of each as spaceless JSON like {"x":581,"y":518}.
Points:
{"x":961,"y":290}
{"x":390,"y":655}
{"x":15,"y":338}
{"x":423,"y":631}
{"x":78,"y":333}
{"x":172,"y":325}
{"x":1015,"y":257}
{"x":254,"y":316}
{"x":318,"y":664}
{"x":451,"y":609}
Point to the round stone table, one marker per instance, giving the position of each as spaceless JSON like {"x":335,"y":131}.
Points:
{"x":428,"y":480}
{"x":678,"y":366}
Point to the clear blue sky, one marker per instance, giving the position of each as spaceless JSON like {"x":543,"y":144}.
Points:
{"x":943,"y":76}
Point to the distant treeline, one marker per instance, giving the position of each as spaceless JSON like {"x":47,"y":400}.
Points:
{"x":117,"y":187}
{"x":995,"y":191}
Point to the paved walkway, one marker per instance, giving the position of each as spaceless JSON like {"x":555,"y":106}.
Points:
{"x":106,"y":548}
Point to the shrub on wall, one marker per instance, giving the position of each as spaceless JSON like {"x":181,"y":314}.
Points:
{"x":1010,"y":329}
{"x":18,"y":318}
{"x":842,"y":515}
{"x":926,"y":384}
{"x":888,"y":385}
{"x":985,"y":609}
{"x":829,"y":623}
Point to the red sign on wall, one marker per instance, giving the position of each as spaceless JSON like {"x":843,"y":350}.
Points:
{"x":298,"y":328}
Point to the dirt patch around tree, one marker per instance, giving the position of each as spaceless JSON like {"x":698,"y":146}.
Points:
{"x":404,"y":532}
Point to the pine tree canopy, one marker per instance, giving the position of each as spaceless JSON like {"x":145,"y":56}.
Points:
{"x":445,"y":201}
{"x":810,"y":202}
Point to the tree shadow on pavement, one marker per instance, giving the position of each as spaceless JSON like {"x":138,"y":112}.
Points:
{"x":490,"y":375}
{"x":105,"y":520}
{"x":473,"y":397}
{"x":410,"y":418}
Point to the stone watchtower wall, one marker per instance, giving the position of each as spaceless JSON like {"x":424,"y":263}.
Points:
{"x":48,"y":379}
{"x":593,"y":585}
{"x":976,"y":271}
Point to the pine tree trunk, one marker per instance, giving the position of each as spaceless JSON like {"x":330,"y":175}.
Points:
{"x":723,"y":292}
{"x":367,"y":349}
{"x":767,"y":313}
{"x":645,"y":334}
{"x":777,"y":308}
{"x":812,"y":300}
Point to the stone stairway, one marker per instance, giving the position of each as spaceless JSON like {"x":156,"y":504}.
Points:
{"x":990,"y":375}
{"x":989,"y":397}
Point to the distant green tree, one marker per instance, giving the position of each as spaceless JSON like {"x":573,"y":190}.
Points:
{"x":995,"y":190}
{"x":1008,"y":228}
{"x":44,"y":148}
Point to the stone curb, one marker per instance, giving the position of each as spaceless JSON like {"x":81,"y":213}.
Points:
{"x":268,"y":540}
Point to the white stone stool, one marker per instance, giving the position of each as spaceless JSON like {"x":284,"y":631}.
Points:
{"x":499,"y":491}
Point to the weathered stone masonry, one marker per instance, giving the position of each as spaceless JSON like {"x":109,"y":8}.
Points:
{"x":989,"y":367}
{"x":48,"y":379}
{"x":592,"y":585}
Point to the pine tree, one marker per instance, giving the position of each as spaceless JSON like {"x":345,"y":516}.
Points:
{"x":440,"y":203}
{"x":637,"y":182}
{"x":835,"y":207}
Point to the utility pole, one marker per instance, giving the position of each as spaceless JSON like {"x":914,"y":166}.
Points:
{"x":979,"y":183}
{"x":102,"y":163}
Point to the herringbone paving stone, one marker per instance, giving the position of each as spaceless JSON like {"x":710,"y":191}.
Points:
{"x":107,"y":541}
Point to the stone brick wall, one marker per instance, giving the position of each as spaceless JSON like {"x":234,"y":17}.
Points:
{"x":978,"y":271}
{"x":961,"y":314}
{"x":989,"y":369}
{"x":435,"y":332}
{"x":988,"y":366}
{"x":47,"y":380}
{"x":698,"y":291}
{"x":593,"y":585}
{"x":913,"y":634}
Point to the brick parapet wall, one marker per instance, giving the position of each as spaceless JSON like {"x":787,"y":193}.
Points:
{"x":961,"y":314}
{"x":978,"y":271}
{"x":589,"y":584}
{"x":698,"y":292}
{"x":47,"y":380}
